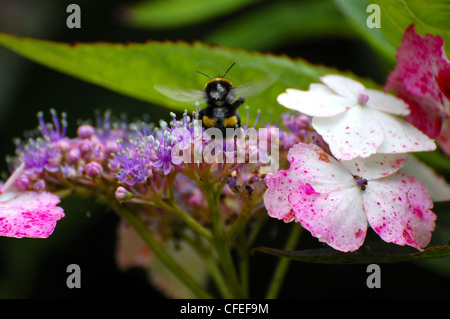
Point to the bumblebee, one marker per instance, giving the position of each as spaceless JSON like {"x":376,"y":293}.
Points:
{"x":219,"y":95}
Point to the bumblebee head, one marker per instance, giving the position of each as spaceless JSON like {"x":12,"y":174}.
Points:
{"x":218,"y":90}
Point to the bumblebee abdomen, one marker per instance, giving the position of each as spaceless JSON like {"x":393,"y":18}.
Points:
{"x":232,"y":121}
{"x":209,"y":122}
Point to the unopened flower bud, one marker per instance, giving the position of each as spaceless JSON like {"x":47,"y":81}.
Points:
{"x":85,"y":131}
{"x":85,"y":146}
{"x":111,"y":147}
{"x":73,"y":155}
{"x":39,"y":185}
{"x":122,"y":193}
{"x":22,"y":182}
{"x":63,"y":145}
{"x":94,"y":169}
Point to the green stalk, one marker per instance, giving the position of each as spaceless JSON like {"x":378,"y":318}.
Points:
{"x":140,"y":227}
{"x":190,"y":222}
{"x":211,"y":263}
{"x":221,"y":243}
{"x":244,"y":264}
{"x":283,"y":263}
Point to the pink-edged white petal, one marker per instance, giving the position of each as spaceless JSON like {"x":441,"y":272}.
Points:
{"x":312,"y":165}
{"x":398,"y":210}
{"x":317,"y":102}
{"x":336,"y":218}
{"x":29,"y":214}
{"x":400,"y":136}
{"x":386,"y":102}
{"x":375,"y":166}
{"x":350,"y":134}
{"x":279,"y":185}
{"x":343,"y":86}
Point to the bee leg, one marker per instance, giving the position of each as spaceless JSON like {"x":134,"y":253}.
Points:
{"x":238,"y":103}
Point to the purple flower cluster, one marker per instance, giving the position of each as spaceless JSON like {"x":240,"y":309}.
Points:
{"x":163,"y":167}
{"x":53,"y":160}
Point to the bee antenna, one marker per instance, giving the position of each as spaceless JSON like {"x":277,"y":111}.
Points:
{"x":205,"y":74}
{"x":229,"y":69}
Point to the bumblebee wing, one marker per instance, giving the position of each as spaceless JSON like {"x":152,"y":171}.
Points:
{"x":254,"y":88}
{"x":181,"y":95}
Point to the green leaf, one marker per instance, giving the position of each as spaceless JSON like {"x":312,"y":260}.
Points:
{"x":428,"y":16}
{"x":177,"y":13}
{"x":356,"y":13}
{"x":376,"y":250}
{"x":331,"y":256}
{"x":135,"y":69}
{"x":282,"y":22}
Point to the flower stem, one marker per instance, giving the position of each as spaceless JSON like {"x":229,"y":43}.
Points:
{"x":283,"y":264}
{"x":190,"y":222}
{"x":221,"y":243}
{"x":210,"y":261}
{"x":140,"y":227}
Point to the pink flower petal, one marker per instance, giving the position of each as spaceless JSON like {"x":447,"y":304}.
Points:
{"x":312,"y":165}
{"x":350,"y":134}
{"x":398,"y":210}
{"x":421,"y":78}
{"x":318,"y":101}
{"x":276,"y":196}
{"x":419,"y":61}
{"x":309,"y":164}
{"x":131,"y":250}
{"x":343,"y":86}
{"x":375,"y":166}
{"x":424,"y":114}
{"x":336,"y":218}
{"x":29,"y":214}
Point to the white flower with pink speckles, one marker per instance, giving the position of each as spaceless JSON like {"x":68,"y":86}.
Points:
{"x":356,"y":121}
{"x":336,"y":201}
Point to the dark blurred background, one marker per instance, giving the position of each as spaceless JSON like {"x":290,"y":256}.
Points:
{"x":31,"y":268}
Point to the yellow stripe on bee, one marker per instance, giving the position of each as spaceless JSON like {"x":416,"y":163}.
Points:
{"x":231,"y":121}
{"x":209,"y":122}
{"x":219,"y":78}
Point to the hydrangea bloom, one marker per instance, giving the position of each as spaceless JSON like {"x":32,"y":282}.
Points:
{"x":336,"y":200}
{"x":422,"y":79}
{"x":356,"y":121}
